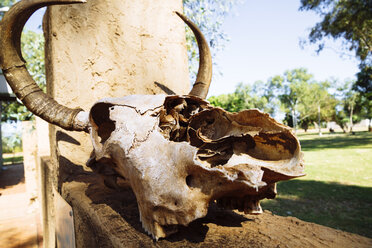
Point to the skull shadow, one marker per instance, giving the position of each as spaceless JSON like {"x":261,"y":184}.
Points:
{"x":124,"y":203}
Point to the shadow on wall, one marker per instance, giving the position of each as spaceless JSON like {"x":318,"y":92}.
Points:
{"x":335,"y":205}
{"x":67,"y":170}
{"x":165,"y":89}
{"x":18,"y":240}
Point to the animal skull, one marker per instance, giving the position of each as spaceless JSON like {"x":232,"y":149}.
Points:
{"x":177,"y":153}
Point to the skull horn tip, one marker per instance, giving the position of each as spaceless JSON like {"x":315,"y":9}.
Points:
{"x":204,"y":75}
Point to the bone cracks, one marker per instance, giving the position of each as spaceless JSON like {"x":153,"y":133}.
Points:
{"x":179,"y":154}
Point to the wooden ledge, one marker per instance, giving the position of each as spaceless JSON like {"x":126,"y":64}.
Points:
{"x":108,"y":218}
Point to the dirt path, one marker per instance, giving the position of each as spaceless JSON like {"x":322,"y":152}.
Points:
{"x":20,"y":224}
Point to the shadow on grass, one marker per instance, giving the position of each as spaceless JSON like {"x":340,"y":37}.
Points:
{"x":344,"y":207}
{"x":360,"y":140}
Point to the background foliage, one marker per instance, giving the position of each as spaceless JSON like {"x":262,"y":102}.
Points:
{"x":351,"y":22}
{"x":304,"y":101}
{"x":209,"y":16}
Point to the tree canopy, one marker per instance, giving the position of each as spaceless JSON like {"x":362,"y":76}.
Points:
{"x":347,"y":19}
{"x":5,"y":4}
{"x":351,"y":21}
{"x":244,"y":97}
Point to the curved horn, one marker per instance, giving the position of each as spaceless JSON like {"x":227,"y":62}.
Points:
{"x":204,"y":76}
{"x":19,"y":79}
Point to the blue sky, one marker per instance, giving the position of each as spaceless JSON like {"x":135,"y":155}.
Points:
{"x":264,"y":42}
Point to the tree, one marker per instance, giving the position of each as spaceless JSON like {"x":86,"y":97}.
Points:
{"x":293,"y":87}
{"x":209,"y":15}
{"x":350,"y":20}
{"x":5,"y":4}
{"x":340,"y":118}
{"x":364,"y":82}
{"x":267,"y":93}
{"x":316,"y":105}
{"x":234,"y":102}
{"x":244,"y":97}
{"x":364,"y":88}
{"x":347,"y":19}
{"x":12,"y":144}
{"x":304,"y":100}
{"x":348,"y":109}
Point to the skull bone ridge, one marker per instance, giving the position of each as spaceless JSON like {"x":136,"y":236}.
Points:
{"x":179,"y":154}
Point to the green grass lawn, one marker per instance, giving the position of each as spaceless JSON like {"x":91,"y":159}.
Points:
{"x":337,"y":190}
{"x":12,"y":160}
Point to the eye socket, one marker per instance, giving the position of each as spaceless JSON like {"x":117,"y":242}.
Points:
{"x":100,"y":114}
{"x":189,"y":180}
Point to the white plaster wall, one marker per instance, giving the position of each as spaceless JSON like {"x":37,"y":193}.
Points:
{"x":29,"y":146}
{"x":111,"y":48}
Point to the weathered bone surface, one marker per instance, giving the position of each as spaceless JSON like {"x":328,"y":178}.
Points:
{"x":178,"y":154}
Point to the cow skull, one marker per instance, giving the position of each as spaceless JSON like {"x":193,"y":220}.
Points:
{"x":177,"y":153}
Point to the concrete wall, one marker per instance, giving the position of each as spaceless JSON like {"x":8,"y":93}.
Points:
{"x":107,"y":48}
{"x":35,"y":144}
{"x":110,"y":48}
{"x":29,"y":146}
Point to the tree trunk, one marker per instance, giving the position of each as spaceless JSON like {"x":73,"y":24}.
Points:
{"x":319,"y":126}
{"x":351,"y":119}
{"x":294,"y":120}
{"x":351,"y":108}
